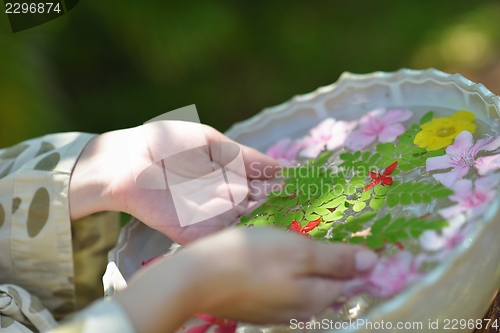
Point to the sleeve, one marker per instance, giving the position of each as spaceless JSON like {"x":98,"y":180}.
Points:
{"x":21,"y":312}
{"x":37,"y":279}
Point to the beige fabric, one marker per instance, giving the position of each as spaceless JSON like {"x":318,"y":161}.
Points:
{"x":41,"y":261}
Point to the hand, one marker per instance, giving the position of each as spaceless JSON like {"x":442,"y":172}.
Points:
{"x":103,"y":180}
{"x":256,"y":275}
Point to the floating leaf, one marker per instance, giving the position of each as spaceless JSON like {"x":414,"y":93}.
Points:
{"x":376,"y":203}
{"x":441,"y":193}
{"x":405,"y":199}
{"x":359,"y":206}
{"x":392,"y":200}
{"x":387,"y":148}
{"x":375,"y":242}
{"x":245,"y":219}
{"x":427,"y":117}
{"x":334,"y":216}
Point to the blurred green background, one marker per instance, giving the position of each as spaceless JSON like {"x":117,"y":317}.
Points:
{"x":108,"y":65}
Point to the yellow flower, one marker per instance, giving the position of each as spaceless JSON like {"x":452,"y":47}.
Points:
{"x":440,"y":132}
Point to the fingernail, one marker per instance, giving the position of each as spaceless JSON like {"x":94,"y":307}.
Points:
{"x":364,"y":260}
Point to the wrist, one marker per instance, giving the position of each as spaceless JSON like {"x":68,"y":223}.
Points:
{"x":90,"y":188}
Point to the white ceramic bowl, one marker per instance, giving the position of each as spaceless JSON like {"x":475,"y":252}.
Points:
{"x":463,"y":286}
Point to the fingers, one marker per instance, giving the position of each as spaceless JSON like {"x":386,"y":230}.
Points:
{"x":338,"y":261}
{"x":257,"y":164}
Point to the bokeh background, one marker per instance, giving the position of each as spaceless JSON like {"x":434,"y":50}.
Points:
{"x":107,"y":65}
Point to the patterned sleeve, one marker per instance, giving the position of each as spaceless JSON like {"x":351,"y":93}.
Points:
{"x":37,"y":279}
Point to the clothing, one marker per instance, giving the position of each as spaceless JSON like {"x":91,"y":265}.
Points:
{"x":51,"y":267}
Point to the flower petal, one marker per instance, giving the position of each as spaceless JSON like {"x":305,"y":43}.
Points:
{"x":487,"y":144}
{"x":430,"y":240}
{"x":358,"y":140}
{"x":438,"y":163}
{"x":228,"y":327}
{"x":451,"y":211}
{"x":279,"y":149}
{"x":462,"y":190}
{"x":390,"y":132}
{"x":449,"y":178}
{"x":487,"y":183}
{"x":396,"y":116}
{"x":485,"y":165}
{"x":198,"y":328}
{"x":310,"y":147}
{"x":461,"y":145}
{"x":339,"y":134}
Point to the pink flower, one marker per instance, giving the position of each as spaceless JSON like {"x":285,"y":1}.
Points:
{"x":447,"y":238}
{"x":460,"y":156}
{"x":388,"y":277}
{"x":472,"y":202}
{"x":285,"y":151}
{"x":386,"y":126}
{"x":223,"y":325}
{"x":330,"y":133}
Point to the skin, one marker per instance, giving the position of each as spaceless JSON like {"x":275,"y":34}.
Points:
{"x":252,"y":275}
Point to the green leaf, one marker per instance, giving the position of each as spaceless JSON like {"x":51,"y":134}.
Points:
{"x":374,"y":158}
{"x":376,"y":203}
{"x":405,"y":167}
{"x":387,"y":148}
{"x":261,"y":209}
{"x":426,"y":198}
{"x":365,"y":217}
{"x":354,"y":227}
{"x":334,"y":216}
{"x":436,"y":225}
{"x":375,"y":242}
{"x":417,"y":198}
{"x":244,"y":219}
{"x":406,"y":199}
{"x":288,"y":219}
{"x":392,"y":200}
{"x":335,"y":202}
{"x":427,"y":117}
{"x":366,"y":155}
{"x":380,"y":224}
{"x":356,"y":155}
{"x":323,"y":158}
{"x":382,"y":190}
{"x":357,"y":240}
{"x":359,"y":206}
{"x":299,"y":216}
{"x":260,"y":221}
{"x":322,"y":211}
{"x":441,"y":193}
{"x":346,"y":156}
{"x":365,"y":195}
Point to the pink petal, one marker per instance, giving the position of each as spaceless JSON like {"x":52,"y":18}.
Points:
{"x":451,"y":211}
{"x":229,"y":327}
{"x":449,"y":178}
{"x":438,"y":162}
{"x":199,"y":328}
{"x":390,"y":132}
{"x":311,"y":148}
{"x":487,"y":164}
{"x":358,"y":140}
{"x":430,"y":240}
{"x":366,"y":119}
{"x":339,"y":134}
{"x":461,"y":145}
{"x":279,"y":148}
{"x":396,"y":116}
{"x":462,"y":190}
{"x":487,"y":144}
{"x":323,"y":131}
{"x":487,"y":183}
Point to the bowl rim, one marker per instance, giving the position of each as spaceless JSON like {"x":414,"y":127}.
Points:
{"x":440,"y":77}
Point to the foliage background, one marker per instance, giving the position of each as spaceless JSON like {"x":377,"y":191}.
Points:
{"x":108,"y":65}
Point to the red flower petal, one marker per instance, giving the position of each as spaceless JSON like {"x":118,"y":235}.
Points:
{"x":373,"y":175}
{"x":390,"y":169}
{"x":311,"y":225}
{"x":386,"y":180}
{"x":295,"y":226}
{"x":198,"y":328}
{"x":372,"y":184}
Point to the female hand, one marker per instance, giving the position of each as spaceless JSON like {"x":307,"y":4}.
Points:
{"x":256,"y":275}
{"x":103,"y":180}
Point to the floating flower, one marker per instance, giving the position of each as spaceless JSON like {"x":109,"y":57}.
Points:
{"x":330,"y":133}
{"x":475,"y":201}
{"x":440,"y":132}
{"x":388,"y":277}
{"x":381,"y":177}
{"x":285,"y":151}
{"x":295,"y":226}
{"x":447,"y":238}
{"x":223,"y":325}
{"x":386,"y":126}
{"x":460,"y":156}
